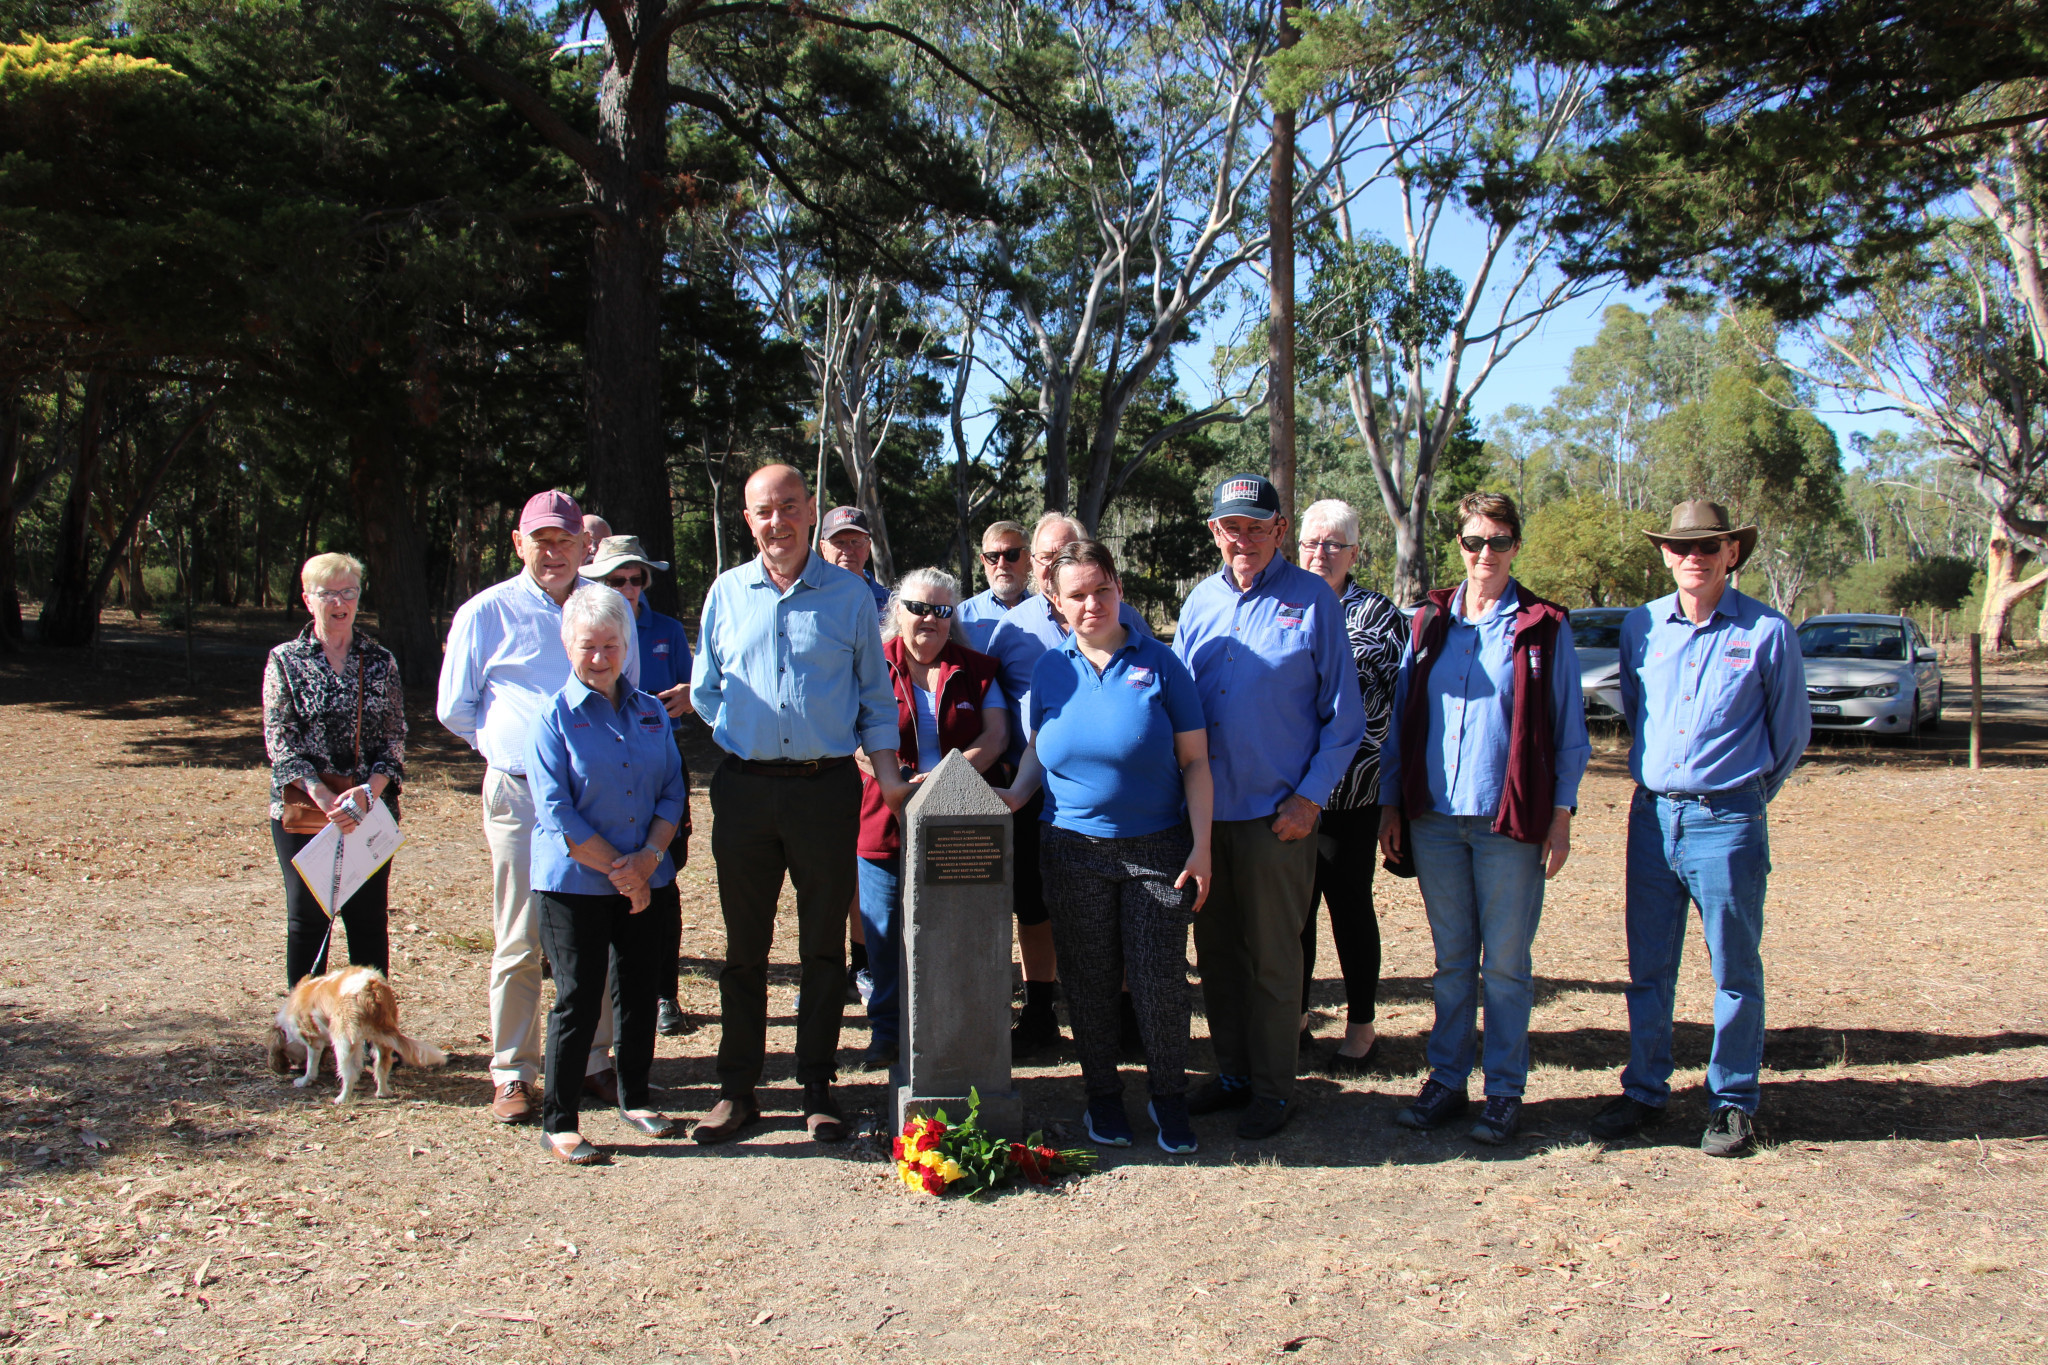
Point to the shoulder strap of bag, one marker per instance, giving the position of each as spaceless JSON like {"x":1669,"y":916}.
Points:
{"x":358,"y":761}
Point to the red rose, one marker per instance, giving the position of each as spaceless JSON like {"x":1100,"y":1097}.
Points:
{"x":934,"y":1183}
{"x":928,"y":1142}
{"x":899,"y":1149}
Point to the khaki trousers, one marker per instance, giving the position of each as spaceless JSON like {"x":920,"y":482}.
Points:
{"x":516,"y":1030}
{"x":1248,"y":947}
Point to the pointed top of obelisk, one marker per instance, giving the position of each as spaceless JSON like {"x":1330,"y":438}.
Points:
{"x":952,"y":789}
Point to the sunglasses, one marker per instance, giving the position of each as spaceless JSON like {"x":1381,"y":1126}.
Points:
{"x":1500,"y":545}
{"x":1708,"y":547}
{"x":1009,"y":556}
{"x":626,"y":580}
{"x":939,"y":609}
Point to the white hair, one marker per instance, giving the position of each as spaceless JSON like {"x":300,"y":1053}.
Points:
{"x":923,"y":582}
{"x":1080,"y":533}
{"x":1338,"y":515}
{"x":594,"y":605}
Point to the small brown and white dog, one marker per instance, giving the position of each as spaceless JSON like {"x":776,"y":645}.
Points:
{"x":348,"y":1010}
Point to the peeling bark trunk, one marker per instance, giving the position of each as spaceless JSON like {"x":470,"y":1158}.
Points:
{"x":2004,"y":589}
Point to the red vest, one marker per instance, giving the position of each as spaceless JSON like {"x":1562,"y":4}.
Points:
{"x":964,"y":676}
{"x":1527,"y":796}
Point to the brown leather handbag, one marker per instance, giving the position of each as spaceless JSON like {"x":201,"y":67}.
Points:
{"x":301,"y":816}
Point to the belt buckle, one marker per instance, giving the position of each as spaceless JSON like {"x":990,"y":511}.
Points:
{"x":808,"y":767}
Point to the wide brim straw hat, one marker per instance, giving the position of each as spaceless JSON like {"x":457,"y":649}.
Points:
{"x":614,"y":552}
{"x":1703,"y":520}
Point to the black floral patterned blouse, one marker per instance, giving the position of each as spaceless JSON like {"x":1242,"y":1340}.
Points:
{"x":1378,"y":635}
{"x":309,"y":714}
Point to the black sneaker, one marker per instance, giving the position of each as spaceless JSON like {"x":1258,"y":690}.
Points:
{"x":1730,"y":1132}
{"x":879,"y":1057}
{"x":1176,"y":1134}
{"x":1437,"y":1105}
{"x":1264,"y":1118}
{"x":1107,"y":1123}
{"x":1034,"y":1033}
{"x":670,"y":1021}
{"x":1624,"y":1117}
{"x":1213,"y":1096}
{"x":1499,"y":1121}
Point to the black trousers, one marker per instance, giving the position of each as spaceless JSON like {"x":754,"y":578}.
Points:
{"x":590,"y":938}
{"x":365,"y":916}
{"x":1344,"y":883}
{"x":670,"y":945}
{"x":761,"y":828}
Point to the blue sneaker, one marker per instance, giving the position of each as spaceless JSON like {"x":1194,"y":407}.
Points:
{"x":1437,"y":1105}
{"x":1108,"y":1125}
{"x":1176,"y":1134}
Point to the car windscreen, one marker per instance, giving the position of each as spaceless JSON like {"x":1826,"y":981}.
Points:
{"x":1852,"y":640}
{"x":1596,"y":632}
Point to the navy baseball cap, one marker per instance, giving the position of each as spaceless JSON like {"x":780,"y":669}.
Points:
{"x":1246,"y":495}
{"x":844,"y":519}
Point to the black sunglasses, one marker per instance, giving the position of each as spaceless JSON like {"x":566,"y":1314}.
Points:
{"x":1009,"y":556}
{"x":938,"y":609}
{"x":1708,"y":547}
{"x":626,"y":580}
{"x":1500,"y":545}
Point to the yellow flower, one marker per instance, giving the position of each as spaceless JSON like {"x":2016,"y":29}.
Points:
{"x":909,"y":1173}
{"x":931,"y":1158}
{"x":951,"y":1170}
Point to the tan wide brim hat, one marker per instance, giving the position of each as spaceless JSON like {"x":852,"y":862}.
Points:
{"x":614,"y":553}
{"x":1703,"y":520}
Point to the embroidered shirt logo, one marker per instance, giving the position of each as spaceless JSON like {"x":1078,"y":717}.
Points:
{"x":661,"y":647}
{"x":1739,"y":651}
{"x":1293,"y":615}
{"x":1138,"y":677}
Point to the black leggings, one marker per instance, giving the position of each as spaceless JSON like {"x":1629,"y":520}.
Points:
{"x":592,"y":940}
{"x":305,"y":923}
{"x":1344,"y":882}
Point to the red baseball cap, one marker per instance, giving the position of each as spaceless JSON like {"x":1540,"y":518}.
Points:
{"x":552,"y":508}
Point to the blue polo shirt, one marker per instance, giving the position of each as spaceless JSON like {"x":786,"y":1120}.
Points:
{"x":978,"y":616}
{"x":1279,"y":685}
{"x":1024,"y":635}
{"x":595,"y":769}
{"x":664,"y":652}
{"x":1106,"y":739}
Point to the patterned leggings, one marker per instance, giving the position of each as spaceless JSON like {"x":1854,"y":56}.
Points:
{"x":1115,"y":917}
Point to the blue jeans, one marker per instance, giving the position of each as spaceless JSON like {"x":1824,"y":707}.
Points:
{"x":881,"y":915}
{"x":1484,"y":896}
{"x":1713,"y":852}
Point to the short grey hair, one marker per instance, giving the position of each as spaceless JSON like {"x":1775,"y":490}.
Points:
{"x":1003,"y":528}
{"x":921,"y":582}
{"x":594,"y":605}
{"x":1080,"y":531}
{"x":1335,"y":513}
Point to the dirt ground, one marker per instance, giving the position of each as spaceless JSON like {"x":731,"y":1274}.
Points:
{"x":163,"y":1197}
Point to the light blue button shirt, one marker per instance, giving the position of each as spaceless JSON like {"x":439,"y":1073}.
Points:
{"x":1020,"y":640}
{"x":1715,"y":706}
{"x":979,"y":615}
{"x":600,"y":771}
{"x":503,"y":661}
{"x":1278,"y":685}
{"x":797,"y":674}
{"x":1471,"y":704}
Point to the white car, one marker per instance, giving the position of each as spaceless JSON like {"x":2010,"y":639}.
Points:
{"x":1871,"y":673}
{"x":1596,"y":635}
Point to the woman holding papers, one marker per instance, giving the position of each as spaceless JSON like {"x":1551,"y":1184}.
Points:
{"x":334,"y":726}
{"x":608,"y":792}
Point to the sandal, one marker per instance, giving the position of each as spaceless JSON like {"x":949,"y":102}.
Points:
{"x":582,"y":1154}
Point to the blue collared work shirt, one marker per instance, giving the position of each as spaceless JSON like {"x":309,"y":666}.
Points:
{"x":596,"y":770}
{"x":1716,"y":706}
{"x":664,"y":652}
{"x":793,"y":675}
{"x":1278,"y":686}
{"x":978,"y":617}
{"x":504,"y":660}
{"x":1471,"y":705}
{"x":1106,"y":739}
{"x":1020,"y":640}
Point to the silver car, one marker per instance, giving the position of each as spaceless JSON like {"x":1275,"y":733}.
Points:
{"x":1596,"y":634}
{"x":1871,"y":673}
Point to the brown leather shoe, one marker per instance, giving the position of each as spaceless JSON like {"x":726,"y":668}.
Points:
{"x":822,"y":1118}
{"x":603,"y":1085}
{"x":514,"y":1103}
{"x":725,"y":1120}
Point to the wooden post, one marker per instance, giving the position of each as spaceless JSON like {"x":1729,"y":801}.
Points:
{"x":1976,"y":700}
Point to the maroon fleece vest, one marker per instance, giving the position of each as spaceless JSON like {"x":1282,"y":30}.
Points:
{"x":1527,"y":798}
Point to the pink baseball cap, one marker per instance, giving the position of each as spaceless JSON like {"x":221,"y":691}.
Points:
{"x":552,"y":508}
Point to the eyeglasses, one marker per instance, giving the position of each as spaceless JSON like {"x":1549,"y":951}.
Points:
{"x":1500,"y":545}
{"x":1707,"y":548}
{"x":1328,"y":547}
{"x":335,"y":594}
{"x":939,"y":609}
{"x":626,"y":580}
{"x":1044,"y":558}
{"x":1009,"y":556}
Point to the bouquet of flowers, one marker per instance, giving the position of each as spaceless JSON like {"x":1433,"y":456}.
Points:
{"x":936,"y":1157}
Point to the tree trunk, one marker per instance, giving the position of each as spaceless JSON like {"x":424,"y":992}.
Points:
{"x":2004,"y":589}
{"x":71,"y":616}
{"x":10,"y":465}
{"x":396,"y":554}
{"x":1414,"y":573}
{"x":628,"y":456}
{"x":1280,"y":318}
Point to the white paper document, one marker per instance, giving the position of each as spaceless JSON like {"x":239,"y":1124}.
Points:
{"x":335,"y":868}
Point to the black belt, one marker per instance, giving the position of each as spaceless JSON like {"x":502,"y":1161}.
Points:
{"x":791,"y":767}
